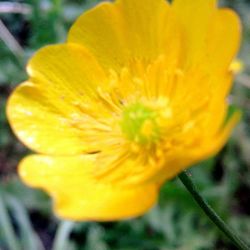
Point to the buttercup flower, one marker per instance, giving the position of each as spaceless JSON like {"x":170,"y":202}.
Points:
{"x":137,"y":94}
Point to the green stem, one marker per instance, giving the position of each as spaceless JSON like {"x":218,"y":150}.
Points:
{"x":186,"y":179}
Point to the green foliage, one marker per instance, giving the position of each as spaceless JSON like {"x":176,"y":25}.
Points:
{"x":26,"y":218}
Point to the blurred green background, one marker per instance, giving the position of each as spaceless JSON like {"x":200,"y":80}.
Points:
{"x":26,"y":219}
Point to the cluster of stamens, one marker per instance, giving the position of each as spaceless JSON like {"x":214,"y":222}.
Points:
{"x":139,"y":124}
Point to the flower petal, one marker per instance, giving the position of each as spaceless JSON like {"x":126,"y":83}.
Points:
{"x":214,"y":144}
{"x":100,"y":30}
{"x":38,"y":125}
{"x":224,"y":39}
{"x":66,"y":69}
{"x":212,"y":35}
{"x":126,"y":30}
{"x":78,"y":195}
{"x":146,"y":23}
{"x":195,"y":154}
{"x":195,"y":17}
{"x":45,"y":111}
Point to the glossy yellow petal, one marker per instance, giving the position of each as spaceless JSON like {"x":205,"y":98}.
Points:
{"x":78,"y":195}
{"x":146,"y":26}
{"x":219,"y":104}
{"x":177,"y":161}
{"x":48,"y":113}
{"x":101,"y":31}
{"x":40,"y":125}
{"x":126,"y":30}
{"x":212,"y":145}
{"x":195,"y":17}
{"x":224,"y":39}
{"x":211,"y":35}
{"x":68,"y":71}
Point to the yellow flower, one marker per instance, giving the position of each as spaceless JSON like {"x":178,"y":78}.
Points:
{"x":136,"y":94}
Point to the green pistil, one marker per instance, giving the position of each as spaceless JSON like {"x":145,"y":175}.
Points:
{"x":139,"y":124}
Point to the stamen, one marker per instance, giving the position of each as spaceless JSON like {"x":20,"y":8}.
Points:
{"x":139,"y":124}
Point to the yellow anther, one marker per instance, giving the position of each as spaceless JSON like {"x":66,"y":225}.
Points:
{"x":135,"y":148}
{"x":179,"y":72}
{"x":139,"y":124}
{"x":167,"y":113}
{"x":237,"y":66}
{"x":147,"y":128}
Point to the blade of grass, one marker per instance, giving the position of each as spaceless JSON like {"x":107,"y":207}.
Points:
{"x":6,"y":225}
{"x":10,"y":40}
{"x":62,"y":235}
{"x":11,"y":43}
{"x":29,"y":238}
{"x":9,"y":7}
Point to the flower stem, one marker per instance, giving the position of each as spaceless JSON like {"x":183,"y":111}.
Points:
{"x":187,"y":181}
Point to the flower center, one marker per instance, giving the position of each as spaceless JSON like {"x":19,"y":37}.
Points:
{"x":139,"y":124}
